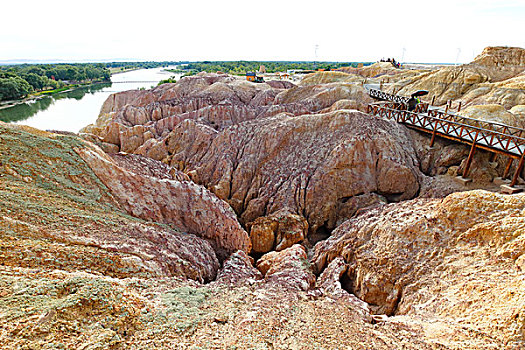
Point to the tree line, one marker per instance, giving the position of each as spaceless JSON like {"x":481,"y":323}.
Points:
{"x":17,"y":81}
{"x":241,"y":67}
{"x":142,"y":65}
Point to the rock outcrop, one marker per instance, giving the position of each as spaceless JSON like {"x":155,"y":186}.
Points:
{"x":330,"y":77}
{"x":78,"y":272}
{"x":494,"y":77}
{"x":494,"y":113}
{"x":131,"y":118}
{"x":63,"y":217}
{"x":439,"y":258}
{"x":329,"y":283}
{"x":508,"y":93}
{"x":280,"y":230}
{"x":238,"y":269}
{"x":183,"y":204}
{"x":288,"y":268}
{"x":501,"y":57}
{"x":232,"y":137}
{"x":323,"y":167}
{"x":143,"y":247}
{"x":316,"y":97}
{"x":138,"y":122}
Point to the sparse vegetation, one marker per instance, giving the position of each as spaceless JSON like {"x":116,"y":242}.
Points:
{"x":170,"y":80}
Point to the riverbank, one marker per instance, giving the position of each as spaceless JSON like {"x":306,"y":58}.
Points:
{"x":69,"y":88}
{"x":38,"y":95}
{"x":118,"y":70}
{"x":76,"y":107}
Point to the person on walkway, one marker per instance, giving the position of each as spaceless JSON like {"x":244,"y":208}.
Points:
{"x":413,"y":102}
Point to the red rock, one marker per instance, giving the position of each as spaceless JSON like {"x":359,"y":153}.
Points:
{"x":317,"y":166}
{"x":288,"y":268}
{"x":184,"y":204}
{"x":238,"y":269}
{"x":56,"y":215}
{"x":278,"y":231}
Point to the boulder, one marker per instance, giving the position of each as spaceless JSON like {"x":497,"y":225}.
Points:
{"x":288,"y":268}
{"x":238,"y":269}
{"x":278,"y":231}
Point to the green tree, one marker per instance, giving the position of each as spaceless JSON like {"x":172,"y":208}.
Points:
{"x":13,"y":88}
{"x":36,"y":81}
{"x":167,"y":81}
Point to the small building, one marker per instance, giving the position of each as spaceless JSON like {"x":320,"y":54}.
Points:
{"x":251,"y":76}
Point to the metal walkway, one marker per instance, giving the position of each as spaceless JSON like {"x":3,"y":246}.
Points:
{"x":493,"y":137}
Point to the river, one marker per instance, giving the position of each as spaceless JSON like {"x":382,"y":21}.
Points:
{"x":72,"y":110}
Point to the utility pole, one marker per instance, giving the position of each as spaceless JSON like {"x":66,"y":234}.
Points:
{"x":457,"y":56}
{"x":315,"y":52}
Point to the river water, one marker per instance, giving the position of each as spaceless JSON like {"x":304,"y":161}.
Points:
{"x":72,"y":110}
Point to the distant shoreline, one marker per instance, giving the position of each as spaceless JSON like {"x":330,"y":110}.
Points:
{"x":12,"y":103}
{"x":118,"y":71}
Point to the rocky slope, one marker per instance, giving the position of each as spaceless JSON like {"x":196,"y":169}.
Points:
{"x":130,"y":119}
{"x":262,"y":216}
{"x":78,"y":272}
{"x":167,"y":200}
{"x":53,"y":200}
{"x":494,"y":77}
{"x":458,"y":262}
{"x":233,"y":137}
{"x":322,"y":167}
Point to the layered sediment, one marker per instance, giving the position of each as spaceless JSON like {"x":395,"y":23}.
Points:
{"x":218,"y":213}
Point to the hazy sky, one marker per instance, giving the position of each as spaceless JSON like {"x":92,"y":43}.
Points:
{"x":422,"y":31}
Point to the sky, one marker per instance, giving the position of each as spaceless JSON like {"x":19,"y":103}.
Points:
{"x":444,"y":31}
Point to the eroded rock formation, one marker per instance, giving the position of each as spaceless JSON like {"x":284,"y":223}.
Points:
{"x":64,"y":217}
{"x":439,"y":258}
{"x":323,"y":167}
{"x":116,"y":251}
{"x":288,"y":268}
{"x":163,"y":199}
{"x":494,"y":77}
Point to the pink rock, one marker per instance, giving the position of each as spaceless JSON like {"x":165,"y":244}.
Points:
{"x":188,"y":206}
{"x":288,"y":268}
{"x":238,"y":269}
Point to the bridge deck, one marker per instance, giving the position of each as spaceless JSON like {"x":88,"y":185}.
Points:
{"x":494,"y":138}
{"x":491,"y":136}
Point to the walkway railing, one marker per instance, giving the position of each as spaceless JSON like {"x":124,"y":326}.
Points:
{"x":494,"y":137}
{"x":381,"y":95}
{"x":500,"y":138}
